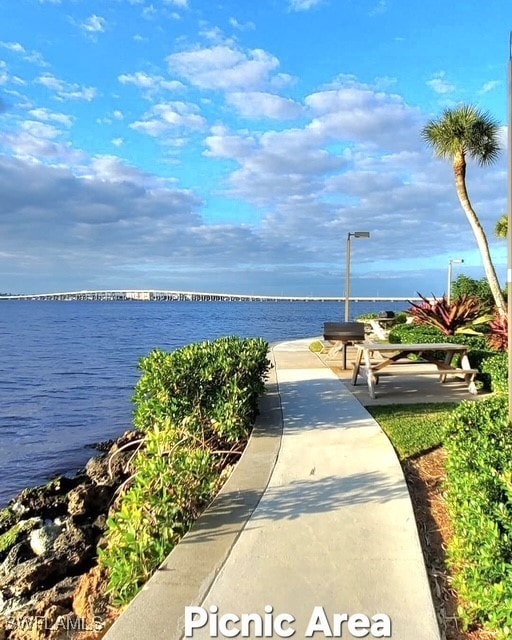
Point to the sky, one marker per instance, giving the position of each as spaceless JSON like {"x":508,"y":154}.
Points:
{"x":231,"y":146}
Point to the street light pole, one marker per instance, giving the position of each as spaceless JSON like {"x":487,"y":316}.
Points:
{"x":355,"y":234}
{"x":449,"y":289}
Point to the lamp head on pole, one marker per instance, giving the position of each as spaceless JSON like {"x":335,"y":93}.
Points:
{"x":360,"y":234}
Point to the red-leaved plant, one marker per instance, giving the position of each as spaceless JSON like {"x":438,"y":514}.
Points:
{"x":498,"y":334}
{"x":459,"y":316}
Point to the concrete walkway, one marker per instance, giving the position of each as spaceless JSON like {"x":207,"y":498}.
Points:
{"x":334,"y":528}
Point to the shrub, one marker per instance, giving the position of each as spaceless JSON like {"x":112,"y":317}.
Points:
{"x":463,"y":285}
{"x":400,"y":318}
{"x":496,"y":368}
{"x":461,"y":315}
{"x":477,"y":358}
{"x":413,"y":333}
{"x":479,"y":498}
{"x":195,"y":407}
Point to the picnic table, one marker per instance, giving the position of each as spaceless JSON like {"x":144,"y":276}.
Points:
{"x":394,"y":360}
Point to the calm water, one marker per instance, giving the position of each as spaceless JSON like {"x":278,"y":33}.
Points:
{"x":67,"y":369}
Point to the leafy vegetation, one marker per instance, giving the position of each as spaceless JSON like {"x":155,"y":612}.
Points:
{"x":501,"y":228}
{"x":195,"y":407}
{"x":496,"y":368}
{"x":463,"y":285}
{"x":316,"y":346}
{"x":459,"y":316}
{"x":413,"y":428}
{"x":479,"y":496}
{"x":413,"y":333}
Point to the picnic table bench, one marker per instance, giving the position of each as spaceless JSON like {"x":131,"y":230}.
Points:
{"x":394,"y":360}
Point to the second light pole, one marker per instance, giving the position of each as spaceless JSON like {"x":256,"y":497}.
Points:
{"x":452,"y":262}
{"x":355,"y":234}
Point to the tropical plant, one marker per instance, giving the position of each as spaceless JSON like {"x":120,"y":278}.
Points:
{"x":501,"y":228}
{"x":462,"y":132}
{"x":498,"y":334}
{"x":459,"y":316}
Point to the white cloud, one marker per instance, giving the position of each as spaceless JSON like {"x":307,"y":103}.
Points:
{"x":149,"y":12}
{"x":66,"y":91}
{"x":16,"y":47}
{"x":490,"y":86}
{"x":40,"y":129}
{"x":177,"y":3}
{"x":94,"y":24}
{"x":49,"y":116}
{"x":380,"y":8}
{"x":258,"y":104}
{"x":150,"y":83}
{"x":224,"y":67}
{"x":170,"y":118}
{"x":303,"y":5}
{"x":223,"y":144}
{"x":30,"y":56}
{"x":359,"y":113}
{"x":242,"y":26}
{"x":117,"y":142}
{"x":439,"y":84}
{"x":139,"y":79}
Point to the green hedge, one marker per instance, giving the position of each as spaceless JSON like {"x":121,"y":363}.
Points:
{"x":413,"y":333}
{"x":195,"y":409}
{"x":479,"y":498}
{"x":496,"y":369}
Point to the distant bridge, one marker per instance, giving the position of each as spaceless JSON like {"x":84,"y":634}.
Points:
{"x":159,"y":295}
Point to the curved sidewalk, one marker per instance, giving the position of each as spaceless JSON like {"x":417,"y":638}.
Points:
{"x":334,"y":527}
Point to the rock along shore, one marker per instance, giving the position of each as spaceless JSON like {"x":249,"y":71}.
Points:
{"x":51,"y":586}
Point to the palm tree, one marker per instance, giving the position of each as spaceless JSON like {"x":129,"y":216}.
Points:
{"x":462,"y":132}
{"x":501,"y":228}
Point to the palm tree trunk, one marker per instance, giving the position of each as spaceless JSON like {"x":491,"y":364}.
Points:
{"x":459,"y":168}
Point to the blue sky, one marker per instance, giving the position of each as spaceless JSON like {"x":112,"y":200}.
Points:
{"x":231,"y":146}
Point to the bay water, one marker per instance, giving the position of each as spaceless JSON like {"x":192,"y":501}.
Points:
{"x":68,"y":369}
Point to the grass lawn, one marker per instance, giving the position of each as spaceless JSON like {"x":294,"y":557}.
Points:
{"x":413,"y":428}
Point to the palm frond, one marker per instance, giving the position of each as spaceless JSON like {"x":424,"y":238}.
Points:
{"x":464,"y":129}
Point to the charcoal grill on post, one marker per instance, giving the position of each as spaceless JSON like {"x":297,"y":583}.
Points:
{"x":386,"y":315}
{"x":342,"y":334}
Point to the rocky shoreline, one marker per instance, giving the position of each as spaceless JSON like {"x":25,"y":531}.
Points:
{"x":51,"y":586}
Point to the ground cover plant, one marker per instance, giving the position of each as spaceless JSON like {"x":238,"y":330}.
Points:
{"x":195,"y":409}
